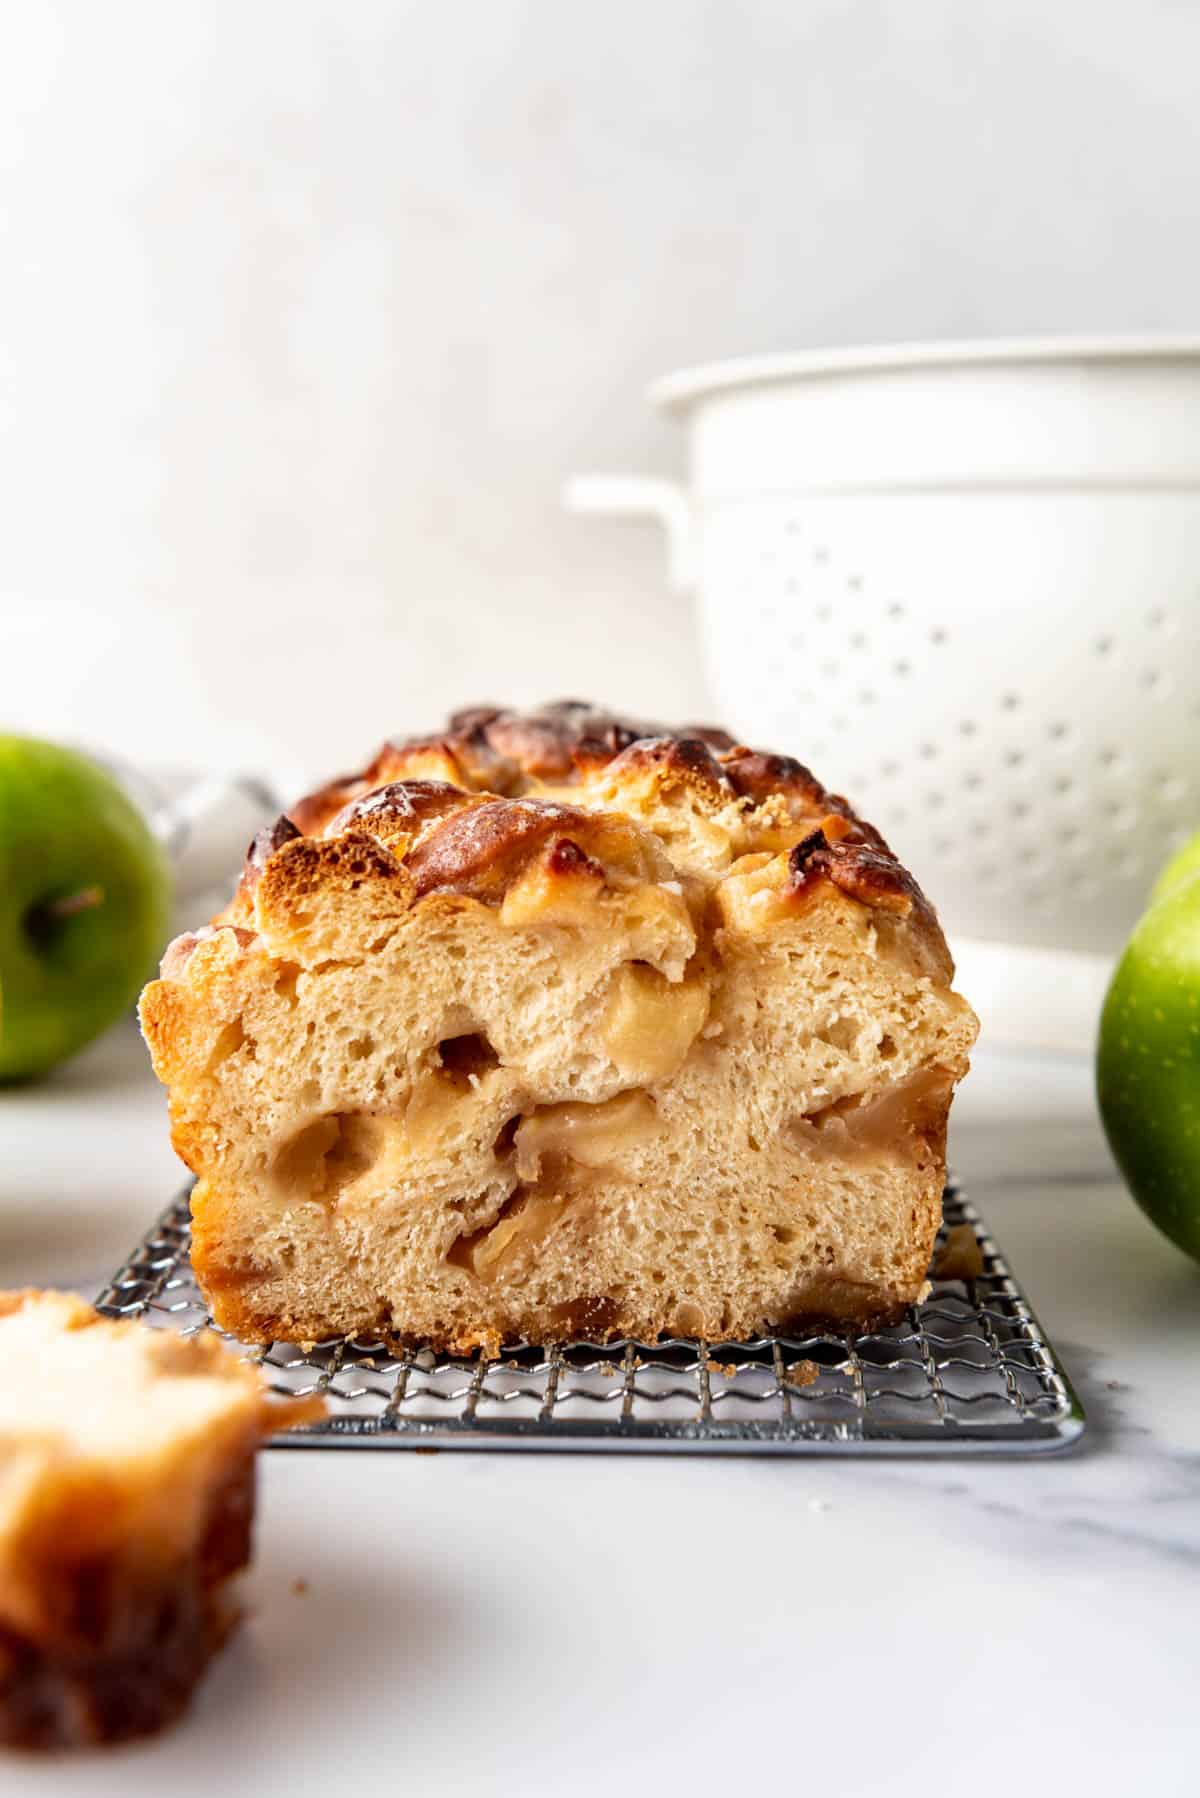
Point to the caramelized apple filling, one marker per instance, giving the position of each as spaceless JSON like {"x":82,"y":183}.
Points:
{"x":900,"y":1119}
{"x":590,"y":1135}
{"x":551,"y":1145}
{"x":755,"y":895}
{"x":650,"y":1024}
{"x":444,"y":1102}
{"x":333,"y":1152}
{"x":524,"y":1222}
{"x":555,"y":894}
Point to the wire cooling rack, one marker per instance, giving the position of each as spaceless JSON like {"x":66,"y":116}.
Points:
{"x":968,"y":1370}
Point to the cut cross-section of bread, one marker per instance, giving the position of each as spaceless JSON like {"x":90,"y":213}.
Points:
{"x":557,"y":1025}
{"x":126,"y":1501}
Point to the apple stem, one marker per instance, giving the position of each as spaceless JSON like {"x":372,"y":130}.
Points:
{"x":86,"y":899}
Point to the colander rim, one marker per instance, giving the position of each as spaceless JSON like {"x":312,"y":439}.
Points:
{"x":682,"y":388}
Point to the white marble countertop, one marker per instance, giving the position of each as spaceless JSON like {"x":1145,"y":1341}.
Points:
{"x":493,"y":1624}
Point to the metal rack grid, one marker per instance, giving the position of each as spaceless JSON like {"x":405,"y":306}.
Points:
{"x":969,"y":1370}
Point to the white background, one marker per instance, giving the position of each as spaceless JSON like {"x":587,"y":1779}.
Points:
{"x":306,"y":309}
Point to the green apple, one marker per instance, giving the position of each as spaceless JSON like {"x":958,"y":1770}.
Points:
{"x":84,"y":897}
{"x":1148,"y":1061}
{"x":1184,"y":862}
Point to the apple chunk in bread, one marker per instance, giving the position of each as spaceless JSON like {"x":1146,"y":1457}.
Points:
{"x":551,"y":1025}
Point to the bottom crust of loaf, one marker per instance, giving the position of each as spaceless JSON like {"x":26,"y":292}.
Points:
{"x":828,"y":1307}
{"x":133,"y":1649}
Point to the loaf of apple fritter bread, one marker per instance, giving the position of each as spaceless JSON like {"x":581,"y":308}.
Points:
{"x":126,"y":1500}
{"x":558,"y":1025}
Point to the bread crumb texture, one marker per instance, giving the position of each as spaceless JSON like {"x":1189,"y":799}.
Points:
{"x":559,"y":1025}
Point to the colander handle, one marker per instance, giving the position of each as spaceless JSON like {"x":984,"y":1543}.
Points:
{"x":639,"y":497}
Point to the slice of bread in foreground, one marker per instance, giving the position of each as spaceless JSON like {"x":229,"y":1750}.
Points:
{"x":126,"y":1502}
{"x":555,"y":1025}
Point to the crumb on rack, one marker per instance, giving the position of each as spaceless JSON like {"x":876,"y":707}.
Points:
{"x":960,"y":1256}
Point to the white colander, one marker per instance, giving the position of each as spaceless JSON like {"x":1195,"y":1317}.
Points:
{"x":964,"y":582}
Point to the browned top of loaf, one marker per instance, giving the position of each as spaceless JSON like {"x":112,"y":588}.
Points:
{"x":466,"y":807}
{"x":489,"y":749}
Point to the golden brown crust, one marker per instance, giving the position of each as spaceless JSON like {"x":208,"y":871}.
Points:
{"x":399,"y":809}
{"x":477,"y":849}
{"x":513,"y":758}
{"x":826,"y":1308}
{"x":868,"y":873}
{"x":549,"y":744}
